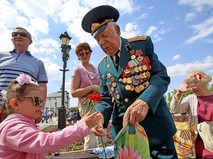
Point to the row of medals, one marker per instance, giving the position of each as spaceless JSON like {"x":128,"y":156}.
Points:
{"x":135,"y":77}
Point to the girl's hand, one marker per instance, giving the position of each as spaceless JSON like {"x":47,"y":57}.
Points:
{"x":94,"y":119}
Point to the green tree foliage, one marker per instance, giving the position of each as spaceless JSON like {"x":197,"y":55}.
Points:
{"x":211,"y":87}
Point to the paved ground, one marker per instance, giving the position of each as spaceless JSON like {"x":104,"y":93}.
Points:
{"x":44,"y":124}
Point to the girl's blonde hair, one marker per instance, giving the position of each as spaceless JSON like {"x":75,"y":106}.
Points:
{"x":197,"y":76}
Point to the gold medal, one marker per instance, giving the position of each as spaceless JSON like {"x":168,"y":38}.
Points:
{"x":136,"y":69}
{"x":137,"y":90}
{"x":144,"y":67}
{"x":142,"y":76}
{"x":126,"y":100}
{"x":127,"y":87}
{"x":141,"y":87}
{"x":148,"y":74}
{"x":133,"y":57}
{"x":129,"y":80}
{"x":132,"y":88}
{"x":127,"y":71}
{"x":124,"y":80}
{"x":140,"y":68}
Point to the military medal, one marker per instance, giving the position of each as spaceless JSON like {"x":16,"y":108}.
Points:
{"x":114,"y":84}
{"x":132,"y":88}
{"x":129,"y":80}
{"x":137,"y":90}
{"x":126,"y":100}
{"x":133,"y":57}
{"x":127,"y":87}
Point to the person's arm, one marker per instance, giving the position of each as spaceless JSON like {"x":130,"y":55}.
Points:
{"x":159,"y":79}
{"x":179,"y":105}
{"x":27,"y":138}
{"x":77,"y":92}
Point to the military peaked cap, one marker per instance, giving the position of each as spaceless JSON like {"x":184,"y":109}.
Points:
{"x":96,"y":20}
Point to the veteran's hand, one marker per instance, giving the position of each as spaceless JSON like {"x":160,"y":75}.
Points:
{"x":136,"y":112}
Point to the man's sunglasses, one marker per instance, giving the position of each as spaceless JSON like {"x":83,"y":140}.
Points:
{"x":36,"y":100}
{"x":21,"y":34}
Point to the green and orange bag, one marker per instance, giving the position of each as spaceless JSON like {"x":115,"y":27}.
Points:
{"x":132,"y":142}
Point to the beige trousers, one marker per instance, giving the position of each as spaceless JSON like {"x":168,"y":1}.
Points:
{"x":92,"y":141}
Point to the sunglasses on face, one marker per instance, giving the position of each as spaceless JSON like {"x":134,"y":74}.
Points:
{"x":82,"y":54}
{"x":36,"y":100}
{"x":22,"y":34}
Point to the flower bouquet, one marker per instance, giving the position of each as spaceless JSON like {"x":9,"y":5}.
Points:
{"x":88,"y":104}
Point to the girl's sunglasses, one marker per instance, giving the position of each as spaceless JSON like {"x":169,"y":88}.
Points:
{"x":21,"y":34}
{"x":36,"y":100}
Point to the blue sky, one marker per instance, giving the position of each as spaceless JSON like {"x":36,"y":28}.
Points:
{"x":181,"y":30}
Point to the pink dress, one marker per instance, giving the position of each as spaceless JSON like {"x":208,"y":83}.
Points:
{"x":21,"y":139}
{"x":205,"y":113}
{"x":87,"y":78}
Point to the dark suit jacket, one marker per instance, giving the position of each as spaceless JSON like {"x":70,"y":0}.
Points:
{"x":116,"y":96}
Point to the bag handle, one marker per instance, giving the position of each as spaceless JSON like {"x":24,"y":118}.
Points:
{"x":131,"y":130}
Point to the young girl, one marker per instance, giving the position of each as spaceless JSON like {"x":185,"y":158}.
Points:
{"x":19,"y":136}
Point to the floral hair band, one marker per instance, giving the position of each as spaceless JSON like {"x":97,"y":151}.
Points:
{"x":198,"y":76}
{"x":24,"y":79}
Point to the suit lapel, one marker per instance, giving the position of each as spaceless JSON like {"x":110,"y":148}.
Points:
{"x":110,"y":66}
{"x":124,"y":57}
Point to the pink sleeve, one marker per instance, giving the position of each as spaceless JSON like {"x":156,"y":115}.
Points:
{"x":26,"y":138}
{"x":76,"y":72}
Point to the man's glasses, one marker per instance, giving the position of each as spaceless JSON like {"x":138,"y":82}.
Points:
{"x":86,"y":53}
{"x":36,"y":100}
{"x":21,"y":34}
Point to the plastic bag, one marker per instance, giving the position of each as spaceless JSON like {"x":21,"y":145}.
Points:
{"x":132,"y":143}
{"x":205,"y":130}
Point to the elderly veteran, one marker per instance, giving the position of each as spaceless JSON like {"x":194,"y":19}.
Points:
{"x":133,"y":82}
